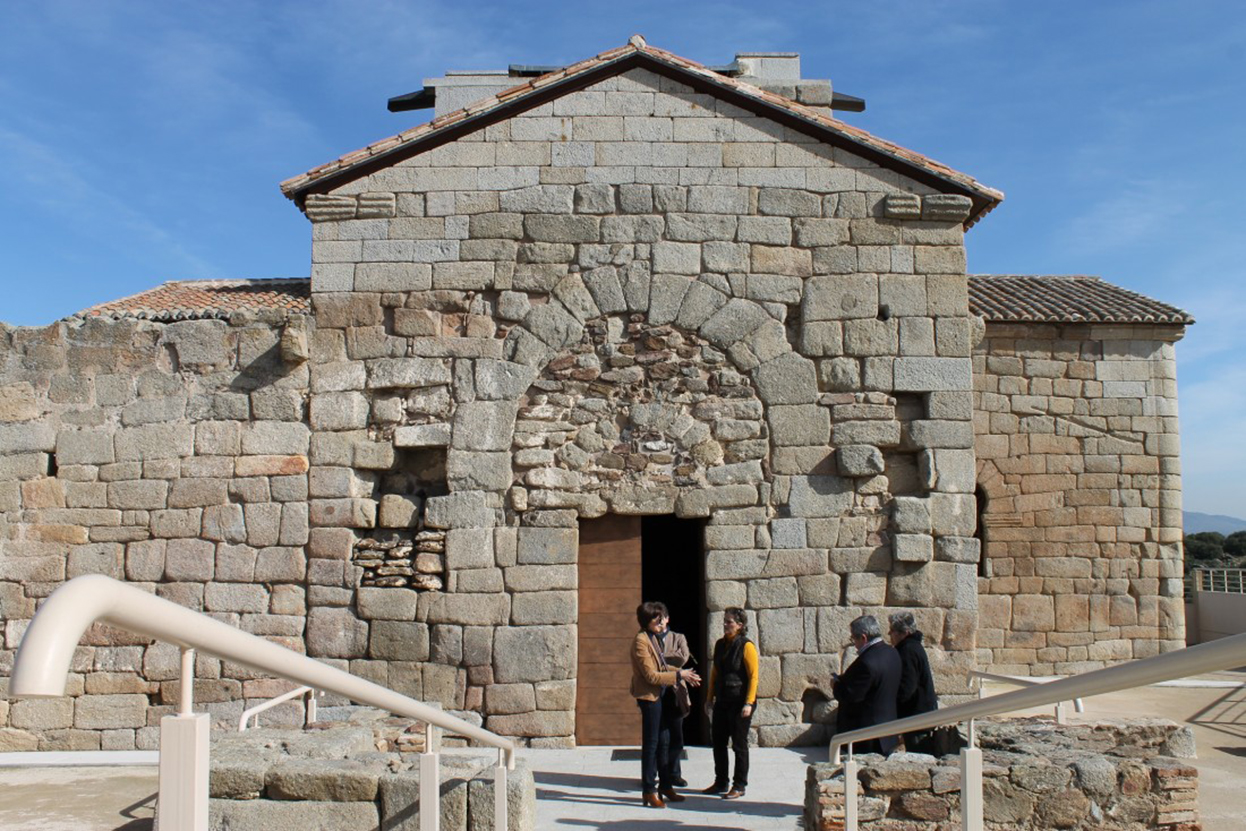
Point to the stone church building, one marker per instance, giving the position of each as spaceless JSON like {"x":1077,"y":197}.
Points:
{"x":634,"y":327}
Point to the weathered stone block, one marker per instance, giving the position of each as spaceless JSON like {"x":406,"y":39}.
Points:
{"x":786,"y":533}
{"x":484,"y":471}
{"x":946,"y":207}
{"x":544,"y":607}
{"x":458,"y":510}
{"x":820,"y":496}
{"x":864,"y":588}
{"x":464,"y":609}
{"x":534,"y":653}
{"x":911,"y":515}
{"x":840,"y":297}
{"x":339,"y":411}
{"x":335,"y":633}
{"x":376,"y":603}
{"x":343,"y":513}
{"x":469,"y":548}
{"x":109,"y":712}
{"x":282,"y":815}
{"x":547,"y":546}
{"x":859,"y":460}
{"x":406,"y":373}
{"x":912,"y":548}
{"x":398,"y":640}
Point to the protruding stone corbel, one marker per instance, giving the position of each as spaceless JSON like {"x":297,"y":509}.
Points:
{"x":294,"y":348}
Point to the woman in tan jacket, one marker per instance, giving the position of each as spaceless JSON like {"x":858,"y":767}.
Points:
{"x":651,"y":679}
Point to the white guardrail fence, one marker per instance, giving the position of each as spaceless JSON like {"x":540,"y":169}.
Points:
{"x":1229,"y":580}
{"x":252,"y":714}
{"x":1062,"y":714}
{"x":42,"y":667}
{"x":1222,"y":654}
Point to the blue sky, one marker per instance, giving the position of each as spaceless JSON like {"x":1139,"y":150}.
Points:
{"x":144,"y":140}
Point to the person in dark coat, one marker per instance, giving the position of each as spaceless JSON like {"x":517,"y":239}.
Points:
{"x":917,"y":692}
{"x":866,"y":692}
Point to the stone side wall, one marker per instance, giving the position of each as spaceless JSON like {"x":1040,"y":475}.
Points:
{"x":172,"y":457}
{"x":1079,"y":471}
{"x":1104,"y":775}
{"x":637,"y":299}
{"x":364,"y":773}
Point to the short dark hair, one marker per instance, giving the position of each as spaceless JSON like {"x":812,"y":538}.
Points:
{"x":649,"y":611}
{"x":737,"y":614}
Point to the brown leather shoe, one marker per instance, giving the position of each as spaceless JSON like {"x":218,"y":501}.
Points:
{"x":734,"y":793}
{"x":670,"y":796}
{"x":716,"y":788}
{"x":652,"y":800}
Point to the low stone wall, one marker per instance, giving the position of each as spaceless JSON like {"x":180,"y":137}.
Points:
{"x":350,"y":775}
{"x":1111,"y":774}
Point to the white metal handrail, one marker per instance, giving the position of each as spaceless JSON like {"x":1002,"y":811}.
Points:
{"x":1222,"y":654}
{"x":253,"y":713}
{"x":1228,"y":580}
{"x":1023,"y":681}
{"x":41,"y":670}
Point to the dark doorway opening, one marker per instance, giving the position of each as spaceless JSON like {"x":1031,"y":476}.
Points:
{"x":673,"y":571}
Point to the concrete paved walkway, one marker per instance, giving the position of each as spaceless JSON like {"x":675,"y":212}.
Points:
{"x":599,"y":787}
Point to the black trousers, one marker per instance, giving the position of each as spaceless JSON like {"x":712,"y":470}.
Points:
{"x":661,"y":743}
{"x":728,"y":725}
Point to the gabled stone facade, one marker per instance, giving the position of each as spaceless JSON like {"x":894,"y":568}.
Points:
{"x":641,"y":295}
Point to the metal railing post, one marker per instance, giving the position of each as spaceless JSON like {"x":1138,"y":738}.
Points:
{"x":183,"y":770}
{"x":971,"y":783}
{"x":430,"y":781}
{"x":500,"y":807}
{"x":309,"y":711}
{"x":850,"y":792}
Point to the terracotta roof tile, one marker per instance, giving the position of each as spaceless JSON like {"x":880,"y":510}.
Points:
{"x":999,"y":298}
{"x":987,"y":197}
{"x":207,"y":299}
{"x":1009,"y":298}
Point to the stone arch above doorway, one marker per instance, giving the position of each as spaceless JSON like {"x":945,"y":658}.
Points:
{"x":706,"y":383}
{"x":637,"y":418}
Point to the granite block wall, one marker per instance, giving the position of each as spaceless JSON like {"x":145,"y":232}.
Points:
{"x":642,"y":300}
{"x":170,"y":456}
{"x":1079,"y":478}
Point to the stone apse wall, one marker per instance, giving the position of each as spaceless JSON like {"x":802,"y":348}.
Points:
{"x":672,"y":308}
{"x":1079,"y":474}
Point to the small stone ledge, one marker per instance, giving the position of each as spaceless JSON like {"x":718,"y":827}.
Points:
{"x":1036,"y":775}
{"x":363,"y":773}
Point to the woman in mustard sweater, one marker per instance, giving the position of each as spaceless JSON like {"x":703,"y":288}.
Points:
{"x":732,"y":696}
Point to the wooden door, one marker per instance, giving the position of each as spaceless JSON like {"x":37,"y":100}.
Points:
{"x":605,"y":712}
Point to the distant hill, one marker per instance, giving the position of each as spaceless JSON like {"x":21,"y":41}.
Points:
{"x":1196,"y":522}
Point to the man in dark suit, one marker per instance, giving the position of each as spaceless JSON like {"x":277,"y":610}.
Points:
{"x":866,"y":692}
